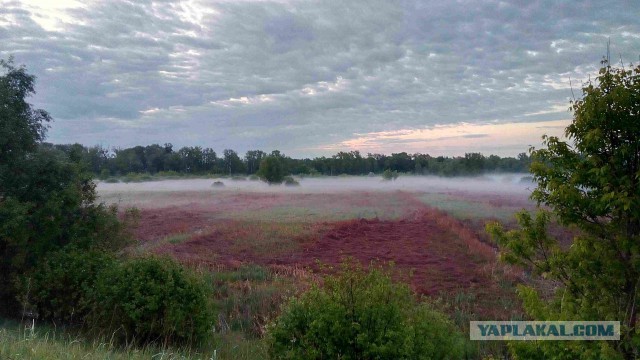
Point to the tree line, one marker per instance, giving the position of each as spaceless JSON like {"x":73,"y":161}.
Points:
{"x":154,"y":159}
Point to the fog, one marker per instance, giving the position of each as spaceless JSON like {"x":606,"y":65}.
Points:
{"x":512,"y":184}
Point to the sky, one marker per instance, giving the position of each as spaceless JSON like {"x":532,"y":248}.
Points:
{"x":313,"y":78}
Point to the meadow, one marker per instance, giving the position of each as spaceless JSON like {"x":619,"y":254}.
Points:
{"x":259,"y":245}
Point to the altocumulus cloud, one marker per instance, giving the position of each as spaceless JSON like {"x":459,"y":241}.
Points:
{"x":311,"y":77}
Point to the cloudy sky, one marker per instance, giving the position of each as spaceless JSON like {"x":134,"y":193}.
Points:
{"x":314,"y":77}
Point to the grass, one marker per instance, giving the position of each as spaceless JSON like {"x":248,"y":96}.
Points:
{"x":249,"y":298}
{"x":259,"y":237}
{"x":319,"y":212}
{"x":33,"y":341}
{"x":177,"y":238}
{"x":469,"y":209}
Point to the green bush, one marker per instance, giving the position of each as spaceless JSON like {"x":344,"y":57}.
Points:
{"x":59,"y":288}
{"x":153,"y":300}
{"x":390,"y":175}
{"x":363,"y":315}
{"x":290,"y":181}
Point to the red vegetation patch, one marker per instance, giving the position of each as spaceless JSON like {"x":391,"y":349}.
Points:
{"x":439,"y":251}
{"x":437,"y":258}
{"x":155,"y":224}
{"x":434,"y":252}
{"x":437,"y":261}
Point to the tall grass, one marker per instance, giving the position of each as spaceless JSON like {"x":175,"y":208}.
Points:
{"x":34,"y":341}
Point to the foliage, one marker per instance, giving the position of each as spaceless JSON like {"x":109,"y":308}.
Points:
{"x":60,"y":287}
{"x":153,"y":300}
{"x":160,"y":160}
{"x":47,"y":198}
{"x":290,"y":181}
{"x":362,"y":315}
{"x":594,"y":186}
{"x":22,"y":126}
{"x":390,"y":175}
{"x":271,"y":170}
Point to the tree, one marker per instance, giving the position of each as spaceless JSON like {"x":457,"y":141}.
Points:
{"x":47,"y":199}
{"x":592,"y":184}
{"x":253,"y":159}
{"x":271,"y":170}
{"x":21,"y":126}
{"x":232,"y":162}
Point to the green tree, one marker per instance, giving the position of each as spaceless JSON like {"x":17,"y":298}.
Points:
{"x":47,"y":201}
{"x":271,"y":170}
{"x":253,"y":159}
{"x":232,"y":162}
{"x":592,"y":184}
{"x":21,"y":126}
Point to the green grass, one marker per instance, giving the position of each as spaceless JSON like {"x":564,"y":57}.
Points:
{"x":47,"y":343}
{"x":43,"y":342}
{"x":468,"y":209}
{"x":177,"y":238}
{"x":320,"y":212}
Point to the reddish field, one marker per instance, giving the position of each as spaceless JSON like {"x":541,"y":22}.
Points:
{"x":434,"y":252}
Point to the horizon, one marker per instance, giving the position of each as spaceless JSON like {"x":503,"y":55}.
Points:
{"x":314,"y":78}
{"x":268,"y":152}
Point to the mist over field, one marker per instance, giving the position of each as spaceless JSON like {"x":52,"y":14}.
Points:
{"x":514,"y":184}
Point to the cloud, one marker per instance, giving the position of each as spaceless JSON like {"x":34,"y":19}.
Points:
{"x":303,"y":76}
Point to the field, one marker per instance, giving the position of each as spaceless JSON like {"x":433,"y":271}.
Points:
{"x":263,"y":243}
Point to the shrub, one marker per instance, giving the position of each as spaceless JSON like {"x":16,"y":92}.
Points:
{"x":290,"y":181}
{"x":362,"y":315}
{"x":168,"y":174}
{"x":390,"y":175}
{"x":60,"y":287}
{"x":153,"y":300}
{"x":104,"y":174}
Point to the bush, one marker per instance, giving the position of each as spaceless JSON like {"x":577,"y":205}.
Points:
{"x":363,"y":315}
{"x":390,"y":175}
{"x":137,"y":177}
{"x":59,"y":288}
{"x":104,"y":174}
{"x":290,"y":181}
{"x":153,"y":300}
